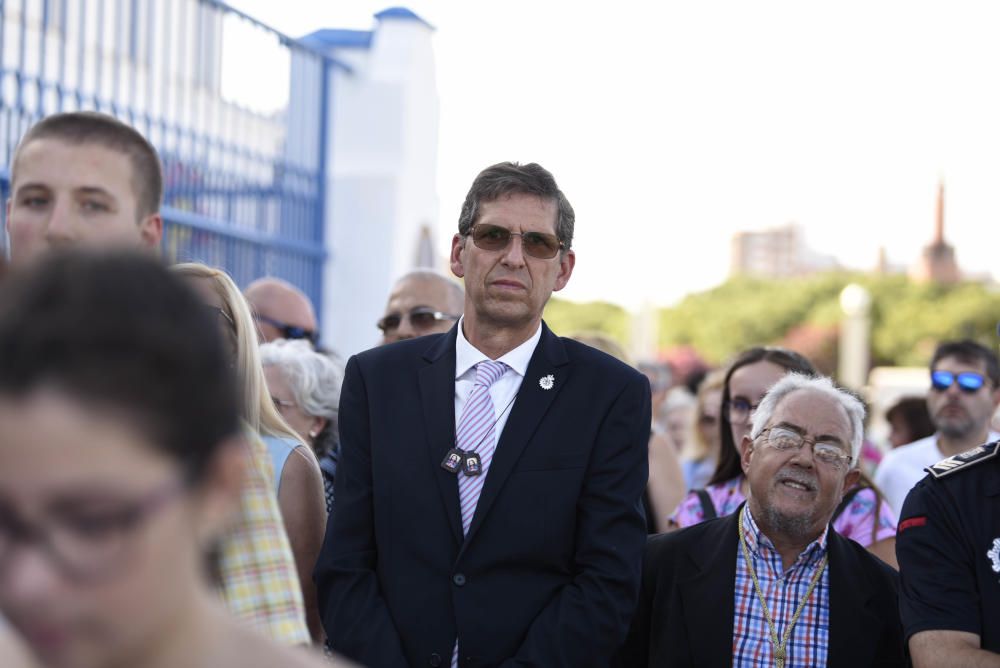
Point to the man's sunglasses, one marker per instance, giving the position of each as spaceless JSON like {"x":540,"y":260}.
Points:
{"x":536,"y":244}
{"x":289,"y":331}
{"x":968,"y":381}
{"x":421,"y":319}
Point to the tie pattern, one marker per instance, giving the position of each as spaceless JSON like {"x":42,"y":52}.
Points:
{"x":476,"y":433}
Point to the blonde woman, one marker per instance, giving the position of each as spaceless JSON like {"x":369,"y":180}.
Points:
{"x":701,"y":452}
{"x":665,"y":487}
{"x":289,"y":465}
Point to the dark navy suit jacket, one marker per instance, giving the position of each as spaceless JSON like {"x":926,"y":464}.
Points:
{"x":549,"y":572}
{"x":686,"y":608}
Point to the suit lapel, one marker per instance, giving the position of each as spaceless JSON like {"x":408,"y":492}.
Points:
{"x":707,"y":592}
{"x":851,"y":639}
{"x":437,"y":397}
{"x":530,"y":406}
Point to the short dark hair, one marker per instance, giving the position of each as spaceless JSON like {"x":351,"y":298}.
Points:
{"x":507,"y":178}
{"x":913,"y":412}
{"x":91,"y":127}
{"x":728,"y":466}
{"x":118,"y":331}
{"x":970,"y":352}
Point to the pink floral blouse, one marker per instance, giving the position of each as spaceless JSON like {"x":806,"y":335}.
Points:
{"x":855,"y":522}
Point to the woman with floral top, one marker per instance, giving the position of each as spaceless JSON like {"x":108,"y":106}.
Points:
{"x":864,"y":516}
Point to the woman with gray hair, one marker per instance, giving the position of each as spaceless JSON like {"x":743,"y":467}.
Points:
{"x":305,"y":388}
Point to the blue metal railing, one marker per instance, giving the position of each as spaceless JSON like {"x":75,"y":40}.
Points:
{"x":243,"y":189}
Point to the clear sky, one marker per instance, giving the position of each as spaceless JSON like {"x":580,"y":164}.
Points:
{"x":671,"y":125}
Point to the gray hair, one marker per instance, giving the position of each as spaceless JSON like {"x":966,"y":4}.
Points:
{"x":793,"y":382}
{"x":313,"y":378}
{"x":506,"y":178}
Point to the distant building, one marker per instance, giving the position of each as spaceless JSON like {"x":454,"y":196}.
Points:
{"x":937,"y":261}
{"x":778,"y":252}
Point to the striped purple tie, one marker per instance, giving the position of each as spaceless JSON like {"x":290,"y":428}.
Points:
{"x":476,"y":433}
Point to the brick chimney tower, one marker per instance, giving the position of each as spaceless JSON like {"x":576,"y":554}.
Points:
{"x":937,"y":261}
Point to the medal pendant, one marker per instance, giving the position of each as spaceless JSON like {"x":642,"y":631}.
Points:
{"x":473,"y":465}
{"x":453,"y":461}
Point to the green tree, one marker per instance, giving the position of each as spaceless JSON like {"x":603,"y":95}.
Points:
{"x":908,"y":319}
{"x":566,"y":318}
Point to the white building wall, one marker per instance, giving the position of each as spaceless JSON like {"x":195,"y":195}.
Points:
{"x":382,"y":169}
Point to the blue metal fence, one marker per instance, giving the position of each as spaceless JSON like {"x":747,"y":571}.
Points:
{"x":244,"y":155}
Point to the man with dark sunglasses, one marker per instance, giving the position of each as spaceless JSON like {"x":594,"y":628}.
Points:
{"x":489,"y":491}
{"x":281,"y":311}
{"x":964,"y":393}
{"x":421,"y":302}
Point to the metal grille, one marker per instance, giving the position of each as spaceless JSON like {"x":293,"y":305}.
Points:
{"x":237,"y":111}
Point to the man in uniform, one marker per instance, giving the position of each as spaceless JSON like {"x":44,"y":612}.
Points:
{"x":948,"y":547}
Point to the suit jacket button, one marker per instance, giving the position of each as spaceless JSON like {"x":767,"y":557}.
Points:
{"x":458,"y":579}
{"x":435,"y":660}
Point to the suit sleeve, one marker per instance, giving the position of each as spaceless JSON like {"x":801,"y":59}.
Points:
{"x":355,"y":616}
{"x":585,"y":624}
{"x":635,"y":652}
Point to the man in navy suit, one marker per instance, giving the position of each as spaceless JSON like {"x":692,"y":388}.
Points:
{"x":488,"y":500}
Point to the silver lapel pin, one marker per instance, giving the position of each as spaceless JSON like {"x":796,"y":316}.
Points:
{"x":546,"y":382}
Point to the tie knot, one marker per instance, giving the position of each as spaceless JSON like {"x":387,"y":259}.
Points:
{"x":489,"y":372}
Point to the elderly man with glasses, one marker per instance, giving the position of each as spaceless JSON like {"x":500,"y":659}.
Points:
{"x":964,"y":393}
{"x":421,"y":302}
{"x":771,"y":584}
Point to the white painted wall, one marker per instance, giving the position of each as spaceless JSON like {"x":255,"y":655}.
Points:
{"x":382,"y":167}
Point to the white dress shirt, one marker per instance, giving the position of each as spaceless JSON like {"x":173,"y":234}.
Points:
{"x":503,"y":391}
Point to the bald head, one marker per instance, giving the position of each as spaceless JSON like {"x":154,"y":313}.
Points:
{"x":415,"y":299}
{"x":278,"y":304}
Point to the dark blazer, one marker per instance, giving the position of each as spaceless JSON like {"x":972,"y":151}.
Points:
{"x":686,"y":606}
{"x":549,"y":572}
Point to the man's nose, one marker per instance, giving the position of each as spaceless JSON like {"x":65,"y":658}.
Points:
{"x":405,"y":329}
{"x":513,"y":255}
{"x":61,"y":228}
{"x":804,"y":456}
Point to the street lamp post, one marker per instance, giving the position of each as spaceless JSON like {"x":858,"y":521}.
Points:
{"x":855,"y":335}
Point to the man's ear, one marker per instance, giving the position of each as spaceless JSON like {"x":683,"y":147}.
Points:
{"x":150,"y":231}
{"x":457,"y":246}
{"x":851,"y":479}
{"x":567,"y":261}
{"x":746,"y":453}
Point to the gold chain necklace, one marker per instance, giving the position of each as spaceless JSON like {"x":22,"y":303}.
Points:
{"x":779,"y":648}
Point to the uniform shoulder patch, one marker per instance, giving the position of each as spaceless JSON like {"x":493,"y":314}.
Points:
{"x":964,"y":460}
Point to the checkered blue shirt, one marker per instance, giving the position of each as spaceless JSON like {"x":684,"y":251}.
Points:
{"x":810,"y":637}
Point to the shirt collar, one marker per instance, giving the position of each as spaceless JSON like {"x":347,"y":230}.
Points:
{"x":757,"y":541}
{"x":468,"y":356}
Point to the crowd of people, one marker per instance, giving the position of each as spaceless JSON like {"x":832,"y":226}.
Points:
{"x":190,"y":477}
